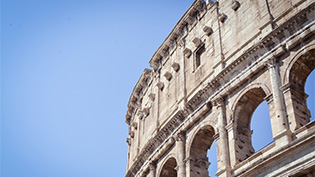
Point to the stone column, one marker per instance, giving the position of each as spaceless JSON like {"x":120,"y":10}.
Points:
{"x":282,"y":132}
{"x":180,"y":141}
{"x":222,"y":140}
{"x":152,"y":166}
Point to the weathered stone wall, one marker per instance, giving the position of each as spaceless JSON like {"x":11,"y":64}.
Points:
{"x":218,"y":64}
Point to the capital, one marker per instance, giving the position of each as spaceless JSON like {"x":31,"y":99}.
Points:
{"x":152,"y":166}
{"x":271,"y":63}
{"x":181,"y":136}
{"x":219,"y":101}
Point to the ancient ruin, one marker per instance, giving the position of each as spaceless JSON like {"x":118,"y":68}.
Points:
{"x":218,"y":64}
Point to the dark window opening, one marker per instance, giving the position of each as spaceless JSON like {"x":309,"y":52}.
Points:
{"x":201,"y":49}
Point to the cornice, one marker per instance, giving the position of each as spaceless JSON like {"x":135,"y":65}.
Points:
{"x":137,"y":93}
{"x":178,"y":30}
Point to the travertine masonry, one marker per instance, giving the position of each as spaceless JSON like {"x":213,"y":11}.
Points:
{"x":219,"y":63}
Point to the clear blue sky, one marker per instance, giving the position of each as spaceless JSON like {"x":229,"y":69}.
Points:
{"x":67,"y":70}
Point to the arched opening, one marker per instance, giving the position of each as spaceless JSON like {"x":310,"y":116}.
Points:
{"x":310,"y":90}
{"x":212,"y":156}
{"x":199,"y":161}
{"x":299,"y":112}
{"x":261,"y":127}
{"x":168,"y":169}
{"x":244,"y":111}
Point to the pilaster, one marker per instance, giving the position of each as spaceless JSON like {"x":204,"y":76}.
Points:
{"x":281,"y":129}
{"x":231,"y":129}
{"x":222,"y":140}
{"x":180,"y":141}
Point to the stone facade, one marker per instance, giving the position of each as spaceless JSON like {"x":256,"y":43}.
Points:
{"x":219,"y":63}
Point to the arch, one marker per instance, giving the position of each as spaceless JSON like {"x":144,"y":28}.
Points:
{"x":201,"y":141}
{"x":168,"y":168}
{"x":245,"y":105}
{"x":301,"y":69}
{"x":200,"y":126}
{"x":296,"y":74}
{"x":262,"y":86}
{"x":299,"y":54}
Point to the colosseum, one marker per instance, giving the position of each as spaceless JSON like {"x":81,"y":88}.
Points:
{"x":219,"y":63}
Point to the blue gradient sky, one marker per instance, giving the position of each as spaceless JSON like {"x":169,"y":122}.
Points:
{"x":67,"y":70}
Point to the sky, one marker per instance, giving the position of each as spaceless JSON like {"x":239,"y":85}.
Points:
{"x":68,"y":68}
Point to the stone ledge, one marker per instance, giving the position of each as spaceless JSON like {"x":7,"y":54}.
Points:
{"x":280,"y":152}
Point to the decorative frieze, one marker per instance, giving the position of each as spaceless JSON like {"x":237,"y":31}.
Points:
{"x":300,"y":37}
